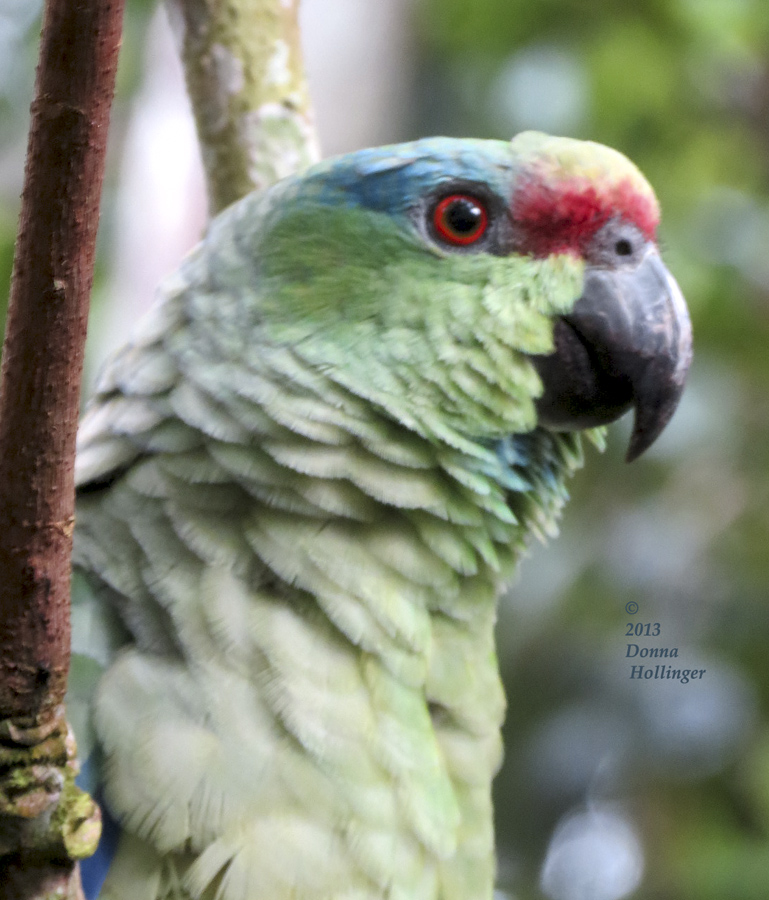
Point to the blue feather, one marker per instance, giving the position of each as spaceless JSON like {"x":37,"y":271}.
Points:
{"x":392,"y":179}
{"x":94,"y":870}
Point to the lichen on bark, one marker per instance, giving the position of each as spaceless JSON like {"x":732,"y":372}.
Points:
{"x":246,"y":80}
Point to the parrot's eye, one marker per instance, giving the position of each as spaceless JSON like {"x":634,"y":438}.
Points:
{"x":460,"y":219}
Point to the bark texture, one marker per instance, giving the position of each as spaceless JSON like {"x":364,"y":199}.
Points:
{"x":45,"y":822}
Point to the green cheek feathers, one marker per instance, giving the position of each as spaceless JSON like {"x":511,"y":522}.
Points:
{"x":412,"y":328}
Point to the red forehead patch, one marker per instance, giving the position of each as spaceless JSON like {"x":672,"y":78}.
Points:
{"x":563,"y":218}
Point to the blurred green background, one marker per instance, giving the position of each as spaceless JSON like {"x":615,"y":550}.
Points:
{"x":611,"y":787}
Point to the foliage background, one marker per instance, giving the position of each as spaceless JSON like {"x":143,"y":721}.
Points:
{"x":611,"y":787}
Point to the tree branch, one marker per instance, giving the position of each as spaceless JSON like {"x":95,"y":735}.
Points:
{"x":245,"y":77}
{"x":45,"y":822}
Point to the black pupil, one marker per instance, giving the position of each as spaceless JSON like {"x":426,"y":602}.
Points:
{"x":463,"y":216}
{"x":623,"y":247}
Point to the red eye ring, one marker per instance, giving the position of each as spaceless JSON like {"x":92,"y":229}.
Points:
{"x":460,"y":219}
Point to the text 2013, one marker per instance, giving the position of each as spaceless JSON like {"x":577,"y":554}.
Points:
{"x":643,"y":629}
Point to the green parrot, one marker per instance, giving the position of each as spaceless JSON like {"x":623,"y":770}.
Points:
{"x":301,"y":487}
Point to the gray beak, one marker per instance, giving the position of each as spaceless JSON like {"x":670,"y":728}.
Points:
{"x":627,"y":343}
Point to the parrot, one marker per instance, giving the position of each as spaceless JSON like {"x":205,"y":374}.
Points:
{"x":301,"y":487}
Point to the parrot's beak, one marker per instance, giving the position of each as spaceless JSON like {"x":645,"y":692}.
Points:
{"x":627,"y":343}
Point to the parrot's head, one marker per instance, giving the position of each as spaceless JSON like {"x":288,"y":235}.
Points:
{"x":494,"y":286}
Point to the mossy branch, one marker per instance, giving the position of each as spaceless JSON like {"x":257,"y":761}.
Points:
{"x":246,"y":80}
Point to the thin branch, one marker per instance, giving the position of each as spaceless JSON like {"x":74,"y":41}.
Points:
{"x":245,"y":76}
{"x":45,"y":822}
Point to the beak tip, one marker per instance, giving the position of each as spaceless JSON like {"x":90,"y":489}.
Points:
{"x":635,"y":448}
{"x":646,"y":430}
{"x":652,"y":417}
